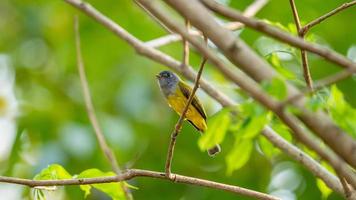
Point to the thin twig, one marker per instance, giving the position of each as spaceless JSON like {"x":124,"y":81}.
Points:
{"x":303,"y":53}
{"x":327,"y":81}
{"x":91,"y":111}
{"x":153,"y":17}
{"x":132,"y":173}
{"x":179,"y":123}
{"x":250,"y":11}
{"x":186,"y":47}
{"x":311,"y":24}
{"x":346,"y":187}
{"x":220,"y":97}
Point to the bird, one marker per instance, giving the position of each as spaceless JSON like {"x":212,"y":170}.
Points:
{"x":177,"y":93}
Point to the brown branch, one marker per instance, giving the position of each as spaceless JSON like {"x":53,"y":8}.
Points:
{"x":278,"y":34}
{"x":247,"y":84}
{"x":186,"y":47}
{"x":311,"y":24}
{"x":245,"y":58}
{"x":250,"y":11}
{"x":153,"y":17}
{"x":179,"y":123}
{"x":346,"y":187}
{"x":133,"y":173}
{"x":304,"y":159}
{"x":327,"y":81}
{"x":302,"y":31}
{"x":91,"y":111}
{"x":224,"y":100}
{"x":303,"y":53}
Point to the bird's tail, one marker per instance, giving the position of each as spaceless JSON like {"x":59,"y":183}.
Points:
{"x":214,"y":150}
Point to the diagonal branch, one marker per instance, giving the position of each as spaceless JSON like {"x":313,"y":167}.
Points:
{"x":311,"y":24}
{"x":303,"y":53}
{"x":91,"y":111}
{"x":249,"y":85}
{"x":224,"y":100}
{"x":251,"y":63}
{"x":327,"y":81}
{"x":280,"y":35}
{"x":304,"y":159}
{"x":250,"y":11}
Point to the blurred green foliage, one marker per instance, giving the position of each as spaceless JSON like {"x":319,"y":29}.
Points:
{"x":53,"y":127}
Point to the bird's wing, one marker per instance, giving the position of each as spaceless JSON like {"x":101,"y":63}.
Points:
{"x":186,"y":90}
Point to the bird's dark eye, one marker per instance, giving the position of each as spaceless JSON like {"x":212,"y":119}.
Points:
{"x":169,"y":75}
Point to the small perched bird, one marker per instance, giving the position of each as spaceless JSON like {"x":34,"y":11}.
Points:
{"x":177,"y":93}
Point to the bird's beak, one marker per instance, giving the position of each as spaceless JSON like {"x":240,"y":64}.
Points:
{"x":158,"y":76}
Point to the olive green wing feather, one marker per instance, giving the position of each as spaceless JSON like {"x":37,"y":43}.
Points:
{"x":186,"y":90}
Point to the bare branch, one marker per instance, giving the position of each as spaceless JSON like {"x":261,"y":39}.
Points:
{"x":250,"y":11}
{"x":304,"y":159}
{"x":91,"y":112}
{"x":303,"y":53}
{"x":247,"y":84}
{"x":280,"y":35}
{"x":327,"y":81}
{"x":133,"y":173}
{"x":186,"y":47}
{"x":179,"y":123}
{"x":207,"y":87}
{"x":311,"y":24}
{"x":153,"y":17}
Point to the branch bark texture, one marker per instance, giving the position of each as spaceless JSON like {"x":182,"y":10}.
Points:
{"x":133,"y":173}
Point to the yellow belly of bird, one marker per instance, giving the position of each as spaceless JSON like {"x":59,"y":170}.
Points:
{"x":178,"y":102}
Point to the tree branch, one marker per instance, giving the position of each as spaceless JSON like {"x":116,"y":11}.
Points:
{"x":133,"y":173}
{"x":327,"y":81}
{"x":91,"y":112}
{"x":246,"y":59}
{"x":250,"y":11}
{"x":159,"y":57}
{"x":246,"y":83}
{"x":179,"y":123}
{"x":315,"y":168}
{"x":186,"y":47}
{"x":303,"y":53}
{"x":280,"y":35}
{"x":311,"y":24}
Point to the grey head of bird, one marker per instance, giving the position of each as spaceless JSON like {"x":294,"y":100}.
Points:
{"x":168,"y":82}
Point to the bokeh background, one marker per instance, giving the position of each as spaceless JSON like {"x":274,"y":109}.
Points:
{"x":43,"y":118}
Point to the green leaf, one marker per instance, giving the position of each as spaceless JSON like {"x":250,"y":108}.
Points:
{"x":253,"y":126}
{"x":256,"y":118}
{"x":276,"y":63}
{"x":276,"y":24}
{"x":53,"y":172}
{"x":342,"y":113}
{"x":315,"y":102}
{"x":218,"y":125}
{"x":283,"y":130}
{"x":267,"y":148}
{"x":324,"y":189}
{"x":276,"y":87}
{"x":114,"y":190}
{"x":239,"y":155}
